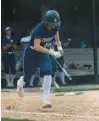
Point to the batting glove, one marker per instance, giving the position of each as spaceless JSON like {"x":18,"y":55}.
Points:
{"x":59,"y":47}
{"x":56,"y":54}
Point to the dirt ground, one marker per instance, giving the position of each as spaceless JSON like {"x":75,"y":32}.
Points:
{"x":64,"y":108}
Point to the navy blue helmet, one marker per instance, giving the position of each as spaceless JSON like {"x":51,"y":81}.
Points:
{"x":52,"y":18}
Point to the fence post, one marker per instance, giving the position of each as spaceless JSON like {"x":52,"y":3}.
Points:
{"x":94,"y":41}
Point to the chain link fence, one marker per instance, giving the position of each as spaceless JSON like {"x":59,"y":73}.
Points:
{"x":78,"y":62}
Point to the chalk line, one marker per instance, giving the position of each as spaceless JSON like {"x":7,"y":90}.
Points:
{"x":50,"y":114}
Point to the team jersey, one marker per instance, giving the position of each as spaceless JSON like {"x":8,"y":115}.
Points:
{"x":41,"y":32}
{"x":52,"y":43}
{"x":5,"y":41}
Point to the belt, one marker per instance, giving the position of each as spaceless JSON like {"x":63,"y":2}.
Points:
{"x":9,"y":52}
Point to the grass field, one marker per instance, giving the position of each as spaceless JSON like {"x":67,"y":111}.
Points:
{"x":64,"y":89}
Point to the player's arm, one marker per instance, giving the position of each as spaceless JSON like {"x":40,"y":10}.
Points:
{"x":5,"y":47}
{"x":57,"y":39}
{"x":58,"y":43}
{"x":41,"y":49}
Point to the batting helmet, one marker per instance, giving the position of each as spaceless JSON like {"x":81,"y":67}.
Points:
{"x":52,"y":18}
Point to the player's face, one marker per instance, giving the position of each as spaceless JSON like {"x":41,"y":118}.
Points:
{"x":8,"y":32}
{"x":49,"y":27}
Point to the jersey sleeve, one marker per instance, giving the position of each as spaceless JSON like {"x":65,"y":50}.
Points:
{"x":37,"y":35}
{"x":38,"y":32}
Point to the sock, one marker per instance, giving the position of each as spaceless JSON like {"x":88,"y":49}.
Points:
{"x":32,"y":79}
{"x":7,"y":77}
{"x":12,"y":79}
{"x":20,"y":82}
{"x":62,"y":77}
{"x":47,"y":86}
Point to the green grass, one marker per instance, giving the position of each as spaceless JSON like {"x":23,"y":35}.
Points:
{"x":6,"y":119}
{"x":64,"y":89}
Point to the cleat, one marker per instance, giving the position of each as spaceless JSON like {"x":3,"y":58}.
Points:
{"x":12,"y":86}
{"x":20,"y":84}
{"x":63,"y":82}
{"x":8,"y":85}
{"x":20,"y":91}
{"x":41,"y":88}
{"x":46,"y":105}
{"x":31,"y":85}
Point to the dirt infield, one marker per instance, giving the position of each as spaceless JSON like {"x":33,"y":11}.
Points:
{"x":64,"y":108}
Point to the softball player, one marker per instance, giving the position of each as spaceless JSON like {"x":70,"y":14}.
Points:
{"x":36,"y":53}
{"x":9,"y":45}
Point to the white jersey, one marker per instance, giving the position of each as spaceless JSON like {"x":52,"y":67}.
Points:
{"x":26,"y":39}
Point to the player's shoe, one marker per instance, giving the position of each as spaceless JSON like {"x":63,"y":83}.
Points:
{"x":31,"y":85}
{"x":12,"y":85}
{"x":56,"y":85}
{"x":46,"y":105}
{"x":63,"y":82}
{"x":8,"y":86}
{"x":20,"y":84}
{"x":41,"y":89}
{"x":20,"y":91}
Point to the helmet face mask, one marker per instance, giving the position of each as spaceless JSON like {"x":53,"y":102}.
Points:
{"x":52,"y":19}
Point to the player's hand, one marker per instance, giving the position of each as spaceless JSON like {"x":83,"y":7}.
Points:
{"x":59,"y":47}
{"x":56,"y":54}
{"x":6,"y":47}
